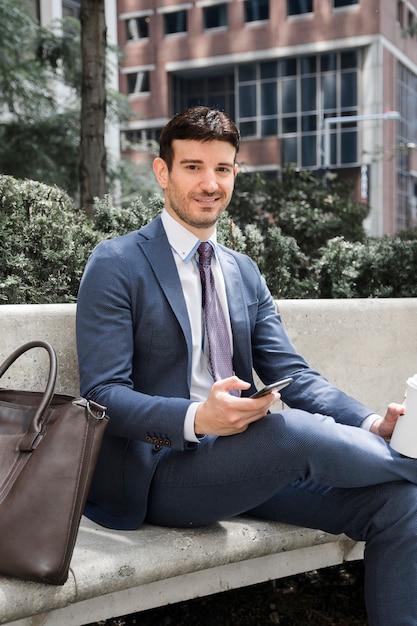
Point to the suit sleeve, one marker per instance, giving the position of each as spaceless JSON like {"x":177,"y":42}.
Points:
{"x":106,"y":352}
{"x":275,"y":356}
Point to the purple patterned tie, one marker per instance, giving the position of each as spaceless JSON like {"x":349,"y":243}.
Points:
{"x":216,"y":327}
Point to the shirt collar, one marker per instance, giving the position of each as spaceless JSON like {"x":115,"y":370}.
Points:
{"x":181,"y":239}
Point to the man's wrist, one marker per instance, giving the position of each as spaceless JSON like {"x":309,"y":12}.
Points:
{"x":189,"y":431}
{"x":369,"y":421}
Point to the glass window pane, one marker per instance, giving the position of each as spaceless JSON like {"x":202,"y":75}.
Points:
{"x":333,"y":150}
{"x":269,"y":101}
{"x":308,"y":65}
{"x":328,"y":62}
{"x":349,"y":96}
{"x":175,"y":22}
{"x":192,"y":101}
{"x":269,"y":127}
{"x":247,"y":129}
{"x":195,"y":86}
{"x":137,"y":28}
{"x":289,"y":96}
{"x":289,"y":125}
{"x":348,"y":59}
{"x":288,"y":67}
{"x":215,"y":83}
{"x":308,"y":94}
{"x":217,"y":102}
{"x":344,"y":3}
{"x":269,"y":69}
{"x":138,"y":82}
{"x":247,"y":101}
{"x":256,"y":10}
{"x":289,"y":150}
{"x":349,"y":147}
{"x":215,"y":16}
{"x":247,"y":72}
{"x":328,"y":90}
{"x":308,"y":123}
{"x":70,"y":8}
{"x":308,"y":150}
{"x":297,"y":7}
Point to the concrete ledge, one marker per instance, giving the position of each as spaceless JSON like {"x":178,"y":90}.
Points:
{"x":366,"y":347}
{"x":115,"y":572}
{"x":55,"y":323}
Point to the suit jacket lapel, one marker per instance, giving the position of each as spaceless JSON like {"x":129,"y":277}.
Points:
{"x":242,"y":354}
{"x":157,"y":250}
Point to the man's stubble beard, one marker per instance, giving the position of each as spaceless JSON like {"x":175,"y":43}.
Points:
{"x":187,"y":218}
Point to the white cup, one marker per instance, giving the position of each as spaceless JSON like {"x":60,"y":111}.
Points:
{"x":404,"y":437}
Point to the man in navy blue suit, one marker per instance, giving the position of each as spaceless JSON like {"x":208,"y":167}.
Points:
{"x":184,"y":448}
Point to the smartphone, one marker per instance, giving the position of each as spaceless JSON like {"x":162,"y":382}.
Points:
{"x":278,"y":385}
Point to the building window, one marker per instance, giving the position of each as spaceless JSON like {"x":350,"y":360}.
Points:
{"x":35,"y":9}
{"x":215,"y":16}
{"x":298,"y":7}
{"x":175,"y":22}
{"x":138,"y":82}
{"x":407,"y":134}
{"x":344,"y":3}
{"x":137,"y":28}
{"x":290,"y":98}
{"x":400,"y":13}
{"x":71,"y":8}
{"x":256,"y":10}
{"x":216,"y":91}
{"x":139,"y":138}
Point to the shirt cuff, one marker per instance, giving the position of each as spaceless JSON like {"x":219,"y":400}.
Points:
{"x":368,"y":421}
{"x":189,"y":433}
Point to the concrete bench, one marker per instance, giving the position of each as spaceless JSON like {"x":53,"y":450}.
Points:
{"x":366,"y":347}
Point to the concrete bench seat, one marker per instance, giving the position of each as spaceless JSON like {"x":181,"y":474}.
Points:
{"x":366,"y":347}
{"x":116,"y":572}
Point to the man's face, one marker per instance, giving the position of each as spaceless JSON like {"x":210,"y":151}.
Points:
{"x":200,"y":184}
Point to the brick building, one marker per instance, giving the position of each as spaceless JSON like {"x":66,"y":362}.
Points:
{"x":281,"y":68}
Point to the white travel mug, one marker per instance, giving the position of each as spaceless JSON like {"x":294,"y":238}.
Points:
{"x":404,"y":437}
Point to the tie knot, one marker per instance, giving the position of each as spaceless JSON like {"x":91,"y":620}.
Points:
{"x":205,"y":250}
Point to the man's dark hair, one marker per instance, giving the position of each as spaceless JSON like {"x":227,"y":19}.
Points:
{"x":201,"y":124}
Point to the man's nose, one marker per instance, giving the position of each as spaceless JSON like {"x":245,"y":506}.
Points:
{"x":209,"y":181}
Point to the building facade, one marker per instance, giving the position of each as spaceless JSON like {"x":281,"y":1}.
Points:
{"x":286,"y":71}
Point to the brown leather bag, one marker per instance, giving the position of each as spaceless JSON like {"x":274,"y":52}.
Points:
{"x":49,"y":445}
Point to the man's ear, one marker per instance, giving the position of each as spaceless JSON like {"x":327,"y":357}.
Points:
{"x":160,"y":169}
{"x":236,"y":168}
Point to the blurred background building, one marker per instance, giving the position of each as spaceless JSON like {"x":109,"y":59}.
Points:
{"x":286,"y":71}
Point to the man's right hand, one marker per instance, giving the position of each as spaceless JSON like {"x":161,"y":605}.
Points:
{"x":223,"y":414}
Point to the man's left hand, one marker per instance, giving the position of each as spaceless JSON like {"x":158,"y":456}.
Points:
{"x":384,"y":426}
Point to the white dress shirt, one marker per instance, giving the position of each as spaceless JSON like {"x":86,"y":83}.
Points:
{"x":184,"y":248}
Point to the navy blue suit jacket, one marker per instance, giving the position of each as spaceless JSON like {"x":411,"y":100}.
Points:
{"x":134,"y":350}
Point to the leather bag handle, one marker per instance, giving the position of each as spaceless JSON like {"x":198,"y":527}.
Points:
{"x":33,"y":434}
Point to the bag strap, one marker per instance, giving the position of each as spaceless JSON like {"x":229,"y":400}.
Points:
{"x":31,"y":438}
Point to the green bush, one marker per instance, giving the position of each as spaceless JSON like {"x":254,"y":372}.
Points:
{"x":299,"y":205}
{"x":284,"y":266}
{"x":388,"y":269}
{"x":45,"y":244}
{"x":378,"y":268}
